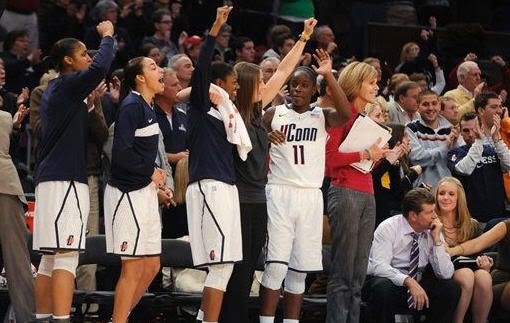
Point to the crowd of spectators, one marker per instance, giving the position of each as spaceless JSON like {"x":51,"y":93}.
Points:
{"x":450,"y":134}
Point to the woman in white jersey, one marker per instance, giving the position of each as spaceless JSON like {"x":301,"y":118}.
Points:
{"x":294,"y":199}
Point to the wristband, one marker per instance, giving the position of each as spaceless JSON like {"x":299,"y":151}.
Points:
{"x":304,"y":37}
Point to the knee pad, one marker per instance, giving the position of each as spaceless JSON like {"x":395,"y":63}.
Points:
{"x":295,"y":282}
{"x":66,"y":261}
{"x":46,"y":265}
{"x":218,"y":276}
{"x":274,"y":274}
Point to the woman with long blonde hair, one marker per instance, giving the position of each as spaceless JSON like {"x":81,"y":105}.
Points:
{"x":458,"y":227}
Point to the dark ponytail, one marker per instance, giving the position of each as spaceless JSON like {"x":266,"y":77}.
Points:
{"x":133,"y":68}
{"x":62,"y":48}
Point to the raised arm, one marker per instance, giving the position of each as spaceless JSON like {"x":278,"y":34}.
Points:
{"x":342,"y":112}
{"x":201,"y":80}
{"x":84,"y":82}
{"x":287,"y":65}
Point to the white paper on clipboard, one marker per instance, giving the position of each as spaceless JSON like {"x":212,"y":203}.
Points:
{"x":364,"y":133}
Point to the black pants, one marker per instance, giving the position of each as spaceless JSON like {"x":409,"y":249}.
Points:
{"x":175,"y":222}
{"x":386,"y":299}
{"x":254,"y":232}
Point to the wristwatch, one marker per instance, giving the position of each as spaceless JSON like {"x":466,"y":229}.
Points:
{"x":438,"y":243}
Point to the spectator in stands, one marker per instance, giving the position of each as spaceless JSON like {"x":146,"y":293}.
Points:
{"x":395,"y":80}
{"x":183,"y":67}
{"x":35,"y":104}
{"x":413,"y":61}
{"x":470,"y":86}
{"x":22,"y":68}
{"x":222,"y":43}
{"x":274,"y":34}
{"x":173,"y":123}
{"x":409,"y":268}
{"x":153,"y":51}
{"x":458,"y":226}
{"x":393,"y":177}
{"x":405,"y":108}
{"x":60,"y":19}
{"x":499,"y":235}
{"x":22,"y":15}
{"x":13,"y":236}
{"x":426,"y":83}
{"x":375,"y":112}
{"x":325,"y":38}
{"x":283,"y":45}
{"x":350,"y":190}
{"x":8,"y":99}
{"x":482,"y":161}
{"x":376,"y":63}
{"x":132,"y":18}
{"x":269,"y":66}
{"x":108,"y":10}
{"x":449,"y":109}
{"x":244,"y":50}
{"x":431,"y":136}
{"x":192,"y":47}
{"x":162,"y":21}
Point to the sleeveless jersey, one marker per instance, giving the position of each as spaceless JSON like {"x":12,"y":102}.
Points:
{"x":300,"y":161}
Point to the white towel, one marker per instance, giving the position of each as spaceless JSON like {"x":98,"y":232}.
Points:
{"x":234,"y":124}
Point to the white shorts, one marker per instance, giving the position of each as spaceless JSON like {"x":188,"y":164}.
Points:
{"x":294,"y":227}
{"x":132,"y":222}
{"x":214,"y":222}
{"x":61,"y":213}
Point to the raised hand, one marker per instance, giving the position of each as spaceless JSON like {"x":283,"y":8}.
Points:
{"x":23,"y":96}
{"x":19,"y":116}
{"x":105,"y":28}
{"x":309,"y":26}
{"x":222,"y":14}
{"x":324,"y":61}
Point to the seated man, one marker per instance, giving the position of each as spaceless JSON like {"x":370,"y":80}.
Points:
{"x":404,"y":245}
{"x":480,"y":164}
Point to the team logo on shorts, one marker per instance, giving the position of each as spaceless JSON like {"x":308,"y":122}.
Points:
{"x":124,"y":246}
{"x":70,"y":240}
{"x":212,"y":255}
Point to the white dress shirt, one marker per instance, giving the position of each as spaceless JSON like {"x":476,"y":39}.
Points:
{"x":391,"y":251}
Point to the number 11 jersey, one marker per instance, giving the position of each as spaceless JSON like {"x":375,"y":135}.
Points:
{"x":300,"y":161}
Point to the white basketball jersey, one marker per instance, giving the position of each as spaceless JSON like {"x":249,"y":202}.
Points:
{"x":300,"y":161}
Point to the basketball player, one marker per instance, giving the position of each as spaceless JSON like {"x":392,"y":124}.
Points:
{"x":212,"y":198}
{"x":132,"y":221}
{"x":294,"y":199}
{"x":61,"y":191}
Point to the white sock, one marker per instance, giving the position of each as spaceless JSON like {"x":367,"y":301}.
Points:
{"x":200,"y":315}
{"x":266,"y":319}
{"x":43,"y":316}
{"x":63,"y":317}
{"x":290,"y":321}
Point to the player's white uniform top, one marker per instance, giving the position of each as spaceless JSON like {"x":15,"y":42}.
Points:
{"x":301,"y":160}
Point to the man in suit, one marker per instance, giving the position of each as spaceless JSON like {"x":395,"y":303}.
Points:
{"x":408,"y":267}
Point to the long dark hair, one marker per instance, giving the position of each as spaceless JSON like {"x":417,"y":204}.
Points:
{"x":397,"y":135}
{"x":133,"y":68}
{"x":62,"y":48}
{"x":248,"y":75}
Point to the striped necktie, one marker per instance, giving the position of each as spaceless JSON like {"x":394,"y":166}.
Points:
{"x":413,"y":266}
